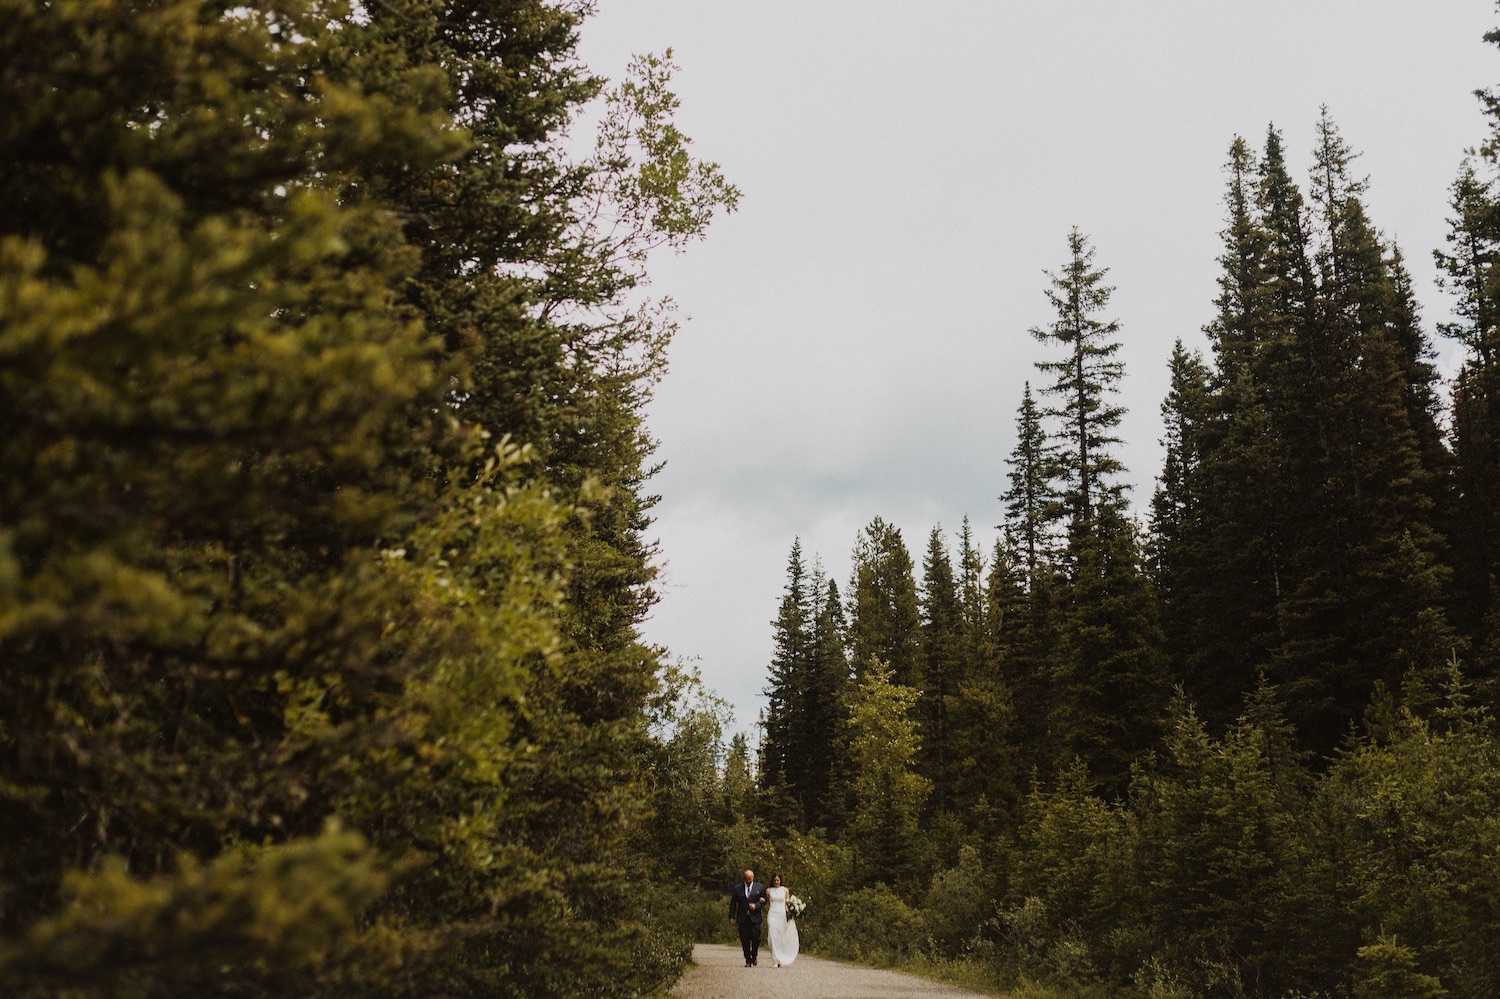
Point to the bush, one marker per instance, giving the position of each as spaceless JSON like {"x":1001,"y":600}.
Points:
{"x":957,"y":905}
{"x":873,"y":924}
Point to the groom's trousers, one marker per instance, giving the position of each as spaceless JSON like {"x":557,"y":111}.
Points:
{"x":749,"y":937}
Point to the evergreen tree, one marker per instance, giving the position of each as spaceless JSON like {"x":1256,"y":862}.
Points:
{"x":1110,"y":674}
{"x":1467,"y":270}
{"x":209,"y":394}
{"x":1108,"y":671}
{"x":828,"y":706}
{"x":889,"y":794}
{"x":986,"y":783}
{"x":1022,"y":620}
{"x":739,"y":781}
{"x":783,"y":752}
{"x":1022,"y":581}
{"x":884,"y":620}
{"x":313,"y":261}
{"x":1031,"y":501}
{"x":1179,"y":556}
{"x":1223,"y":848}
{"x":1223,"y":624}
{"x":1085,"y":378}
{"x":1366,"y":604}
{"x":943,"y":671}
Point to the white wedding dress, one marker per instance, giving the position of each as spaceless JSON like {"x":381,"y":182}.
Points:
{"x":781,"y":929}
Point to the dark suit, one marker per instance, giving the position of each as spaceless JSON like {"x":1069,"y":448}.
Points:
{"x":746,"y":919}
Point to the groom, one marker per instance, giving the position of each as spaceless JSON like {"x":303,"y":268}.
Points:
{"x":746,"y":902}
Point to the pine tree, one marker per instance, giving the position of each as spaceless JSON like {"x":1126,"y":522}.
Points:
{"x":828,"y":706}
{"x":329,"y":256}
{"x":1179,"y":558}
{"x":943,"y":671}
{"x":1110,"y":673}
{"x":1366,"y":604}
{"x":1031,"y":501}
{"x":1022,"y":619}
{"x":1468,"y":272}
{"x":1084,"y":380}
{"x":209,"y":399}
{"x":986,"y":781}
{"x":884,"y":621}
{"x":1108,"y":670}
{"x":784,"y":750}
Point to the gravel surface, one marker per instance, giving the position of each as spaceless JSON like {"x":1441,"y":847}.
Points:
{"x":720,"y":973}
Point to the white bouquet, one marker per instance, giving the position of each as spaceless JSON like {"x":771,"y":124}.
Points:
{"x":795,"y":905}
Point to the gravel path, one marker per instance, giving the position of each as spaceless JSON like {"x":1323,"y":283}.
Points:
{"x":720,"y":973}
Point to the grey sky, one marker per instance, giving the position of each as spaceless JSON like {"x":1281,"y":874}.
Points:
{"x":856,"y":338}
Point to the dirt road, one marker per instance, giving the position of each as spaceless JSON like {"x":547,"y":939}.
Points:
{"x":720,"y":973}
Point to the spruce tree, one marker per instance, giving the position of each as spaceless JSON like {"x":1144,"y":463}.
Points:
{"x":827,"y":706}
{"x":986,"y":783}
{"x":1022,"y":619}
{"x":943,"y":671}
{"x":1031,"y":502}
{"x":319,"y":266}
{"x":1110,"y":674}
{"x":210,"y":396}
{"x":783,"y":752}
{"x":884,"y":619}
{"x":1085,"y":378}
{"x":1179,"y":558}
{"x":1108,"y":670}
{"x":1467,"y":270}
{"x":1366,"y":599}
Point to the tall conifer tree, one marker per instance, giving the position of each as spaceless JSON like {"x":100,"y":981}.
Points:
{"x":1109,"y":672}
{"x":1085,"y":379}
{"x":1468,"y":271}
{"x":783,"y":757}
{"x":827,"y":704}
{"x":1366,"y":601}
{"x":1179,"y":557}
{"x":1031,"y":501}
{"x":943,"y":666}
{"x":884,"y":618}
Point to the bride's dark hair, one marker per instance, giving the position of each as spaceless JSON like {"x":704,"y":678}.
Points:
{"x":775,"y":876}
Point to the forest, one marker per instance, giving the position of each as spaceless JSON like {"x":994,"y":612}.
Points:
{"x":326,"y":340}
{"x":1241,"y":746}
{"x":325,"y":336}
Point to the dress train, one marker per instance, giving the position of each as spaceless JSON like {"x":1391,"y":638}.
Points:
{"x":781,"y":929}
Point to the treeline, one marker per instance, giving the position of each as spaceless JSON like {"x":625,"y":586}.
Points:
{"x":322,"y":499}
{"x":1244,"y":749}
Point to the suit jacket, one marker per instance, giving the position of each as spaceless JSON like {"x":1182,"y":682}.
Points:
{"x":739,"y":905}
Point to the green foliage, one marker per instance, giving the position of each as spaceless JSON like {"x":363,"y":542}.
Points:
{"x":274,"y":280}
{"x":874,"y":924}
{"x":295,"y":907}
{"x":1109,"y":673}
{"x":1085,"y":378}
{"x":884,"y":619}
{"x":1387,"y":970}
{"x":944,"y":668}
{"x":688,"y":812}
{"x":1416,"y":820}
{"x":889,"y":795}
{"x":1222,"y":858}
{"x":958,"y":903}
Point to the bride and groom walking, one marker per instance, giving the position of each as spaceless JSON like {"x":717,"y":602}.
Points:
{"x":748,"y":901}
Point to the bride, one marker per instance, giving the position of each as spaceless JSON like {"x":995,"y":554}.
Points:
{"x":781,"y":929}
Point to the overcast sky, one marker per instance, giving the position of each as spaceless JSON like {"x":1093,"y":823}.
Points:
{"x":856,"y":342}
